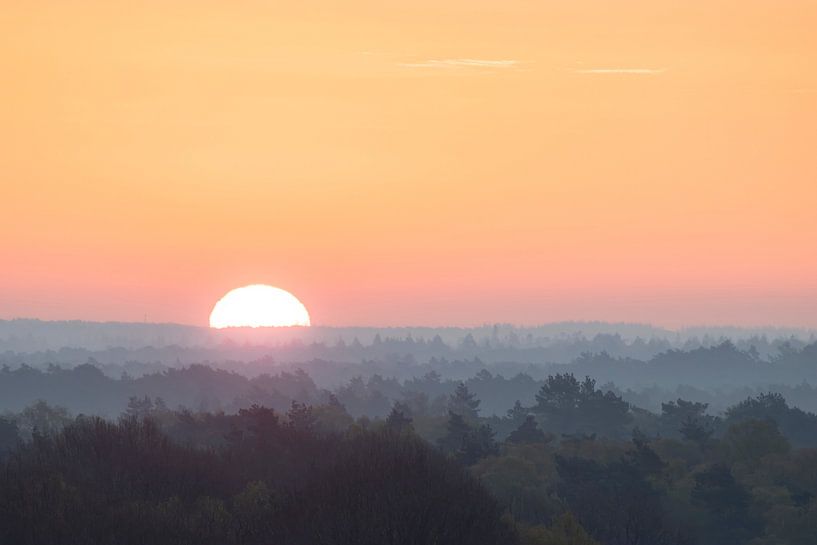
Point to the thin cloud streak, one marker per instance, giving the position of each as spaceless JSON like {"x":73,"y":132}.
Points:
{"x":633,"y":71}
{"x":462,"y":63}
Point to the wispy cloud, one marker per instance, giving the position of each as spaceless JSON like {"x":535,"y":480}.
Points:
{"x":632,"y":71}
{"x":462,"y":63}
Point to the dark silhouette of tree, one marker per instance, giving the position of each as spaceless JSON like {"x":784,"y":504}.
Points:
{"x":614,"y":502}
{"x":795,"y":424}
{"x":9,"y":436}
{"x":399,"y":420}
{"x":139,"y":407}
{"x":643,"y":457}
{"x":572,"y":407}
{"x":697,"y":431}
{"x":687,"y":419}
{"x":527,"y":432}
{"x":478,"y":444}
{"x":424,"y":499}
{"x":467,"y":443}
{"x":727,"y":503}
{"x":457,"y":431}
{"x":301,"y":418}
{"x":464,"y":403}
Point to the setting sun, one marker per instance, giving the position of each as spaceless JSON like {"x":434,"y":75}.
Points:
{"x":259,"y":305}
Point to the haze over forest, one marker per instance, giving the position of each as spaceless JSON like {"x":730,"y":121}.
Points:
{"x":560,"y":434}
{"x":452,"y":255}
{"x":647,"y":365}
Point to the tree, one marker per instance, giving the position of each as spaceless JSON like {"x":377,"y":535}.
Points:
{"x":643,"y":457}
{"x":697,"y":431}
{"x":614,"y":502}
{"x":424,"y":499}
{"x":255,"y":511}
{"x":565,"y":530}
{"x":139,"y":407}
{"x":727,"y":504}
{"x":263,"y":425}
{"x":398,"y":419}
{"x":464,"y":403}
{"x":527,"y":432}
{"x":457,"y":429}
{"x":800,"y":427}
{"x":572,"y":407}
{"x":467,"y":443}
{"x":42,"y":419}
{"x":331,"y":417}
{"x":128,"y":483}
{"x":750,"y":441}
{"x":300,"y":417}
{"x":517,"y":413}
{"x":9,"y":435}
{"x":478,"y":444}
{"x":686,"y":419}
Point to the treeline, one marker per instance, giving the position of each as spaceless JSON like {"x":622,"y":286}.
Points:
{"x":368,"y":389}
{"x":577,"y":466}
{"x":138,"y":353}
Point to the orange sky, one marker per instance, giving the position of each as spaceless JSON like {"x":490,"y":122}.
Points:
{"x":411,"y":162}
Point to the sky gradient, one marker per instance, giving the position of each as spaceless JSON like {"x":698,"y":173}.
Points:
{"x":425,"y":162}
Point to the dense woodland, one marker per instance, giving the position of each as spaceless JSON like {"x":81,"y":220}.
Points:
{"x":577,"y":465}
{"x":405,"y":440}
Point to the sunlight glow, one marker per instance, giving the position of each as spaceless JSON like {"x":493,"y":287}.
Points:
{"x":258,"y":305}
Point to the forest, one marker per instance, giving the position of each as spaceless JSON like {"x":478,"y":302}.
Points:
{"x":494,"y":435}
{"x":577,"y":465}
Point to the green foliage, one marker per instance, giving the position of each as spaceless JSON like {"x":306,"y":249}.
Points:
{"x":523,"y":478}
{"x":315,"y":474}
{"x":468,"y":443}
{"x":568,"y":406}
{"x":687,"y":420}
{"x":331,"y":417}
{"x":751,"y":441}
{"x":726,"y":503}
{"x":528,"y":432}
{"x":615,"y":501}
{"x":795,"y":424}
{"x":565,"y":530}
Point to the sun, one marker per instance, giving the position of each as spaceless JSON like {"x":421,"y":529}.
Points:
{"x":258,"y":305}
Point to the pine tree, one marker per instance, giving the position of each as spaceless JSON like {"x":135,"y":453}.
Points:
{"x":527,"y":432}
{"x":478,"y":444}
{"x":457,"y":430}
{"x":464,"y":403}
{"x":399,"y":419}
